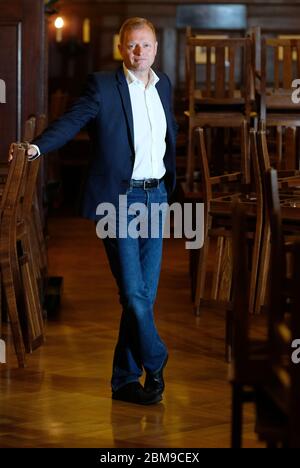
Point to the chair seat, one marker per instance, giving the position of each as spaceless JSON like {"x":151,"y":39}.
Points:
{"x":216,"y":119}
{"x":280,"y":99}
{"x":223,"y":205}
{"x":288,"y":119}
{"x":237,"y":98}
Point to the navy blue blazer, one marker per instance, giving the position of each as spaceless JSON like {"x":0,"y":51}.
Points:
{"x":106,"y":108}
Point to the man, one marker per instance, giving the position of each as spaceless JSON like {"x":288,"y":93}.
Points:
{"x":133,"y":133}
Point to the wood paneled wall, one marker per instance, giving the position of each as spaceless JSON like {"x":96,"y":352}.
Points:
{"x":22,"y":66}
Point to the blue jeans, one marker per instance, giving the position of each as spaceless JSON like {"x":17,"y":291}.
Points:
{"x":135,"y":264}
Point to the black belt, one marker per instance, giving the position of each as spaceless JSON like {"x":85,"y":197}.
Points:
{"x":145,"y":183}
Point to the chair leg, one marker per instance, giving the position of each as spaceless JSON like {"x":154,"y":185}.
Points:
{"x":8,"y":286}
{"x":245,"y":153}
{"x":228,"y":336}
{"x":226,"y":272}
{"x":255,"y":265}
{"x":217,"y":269}
{"x":34,"y":315}
{"x":264,"y":269}
{"x":201,"y":276}
{"x":237,"y":416}
{"x":194,"y":259}
{"x":190,"y":161}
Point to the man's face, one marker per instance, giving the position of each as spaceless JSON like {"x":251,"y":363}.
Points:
{"x":139,"y":49}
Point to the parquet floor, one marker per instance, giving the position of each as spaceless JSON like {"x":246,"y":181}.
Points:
{"x":62,"y":398}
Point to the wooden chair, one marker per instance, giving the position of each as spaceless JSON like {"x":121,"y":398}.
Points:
{"x":278,"y":405}
{"x":31,"y":213}
{"x":221,"y":98}
{"x":280,"y":65}
{"x":218,"y":225}
{"x":289,"y":181}
{"x":8,"y":247}
{"x":31,"y":258}
{"x":28,"y":134}
{"x":21,"y":264}
{"x":250,"y":367}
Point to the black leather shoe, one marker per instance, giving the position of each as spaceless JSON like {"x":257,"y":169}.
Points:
{"x":154,"y":383}
{"x":134,"y":393}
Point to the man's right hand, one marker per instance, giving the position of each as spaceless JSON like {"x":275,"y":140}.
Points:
{"x":31,"y":152}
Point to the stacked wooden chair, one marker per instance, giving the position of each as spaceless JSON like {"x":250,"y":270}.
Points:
{"x":278,"y":68}
{"x":8,"y":248}
{"x":249,"y":368}
{"x":22,"y":249}
{"x":289,"y":183}
{"x":280,"y":65}
{"x":218,"y":224}
{"x":219,"y":90}
{"x":261,"y":370}
{"x":278,"y":404}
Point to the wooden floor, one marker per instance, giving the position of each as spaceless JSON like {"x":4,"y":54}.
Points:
{"x":63,"y":398}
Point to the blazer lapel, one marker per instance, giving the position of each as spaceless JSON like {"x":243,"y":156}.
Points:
{"x":124,"y":93}
{"x":166,"y":106}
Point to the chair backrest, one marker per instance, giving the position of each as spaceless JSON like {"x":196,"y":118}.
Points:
{"x":280,"y":65}
{"x":254,"y":33}
{"x":32,"y":170}
{"x":278,"y":146}
{"x":9,"y":205}
{"x":280,"y":62}
{"x":219,"y":72}
{"x":12,"y":191}
{"x":29,"y":129}
{"x":242,"y":174}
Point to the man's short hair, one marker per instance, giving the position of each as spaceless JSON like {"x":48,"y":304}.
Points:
{"x":135,"y":23}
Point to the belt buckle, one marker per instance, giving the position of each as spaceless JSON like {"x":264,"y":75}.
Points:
{"x":144,"y":184}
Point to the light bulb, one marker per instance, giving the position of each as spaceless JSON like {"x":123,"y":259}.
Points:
{"x":59,"y":23}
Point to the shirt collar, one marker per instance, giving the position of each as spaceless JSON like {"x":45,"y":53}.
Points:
{"x":131,"y":78}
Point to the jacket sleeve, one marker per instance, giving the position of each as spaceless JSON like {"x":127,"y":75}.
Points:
{"x":70,"y":123}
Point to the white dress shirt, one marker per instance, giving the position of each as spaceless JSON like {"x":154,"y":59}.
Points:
{"x":149,"y":127}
